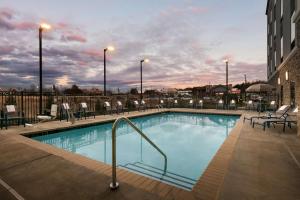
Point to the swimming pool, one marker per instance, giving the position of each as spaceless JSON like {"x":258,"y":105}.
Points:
{"x":189,"y":141}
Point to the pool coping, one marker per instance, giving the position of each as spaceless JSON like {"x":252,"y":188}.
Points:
{"x":207,"y":186}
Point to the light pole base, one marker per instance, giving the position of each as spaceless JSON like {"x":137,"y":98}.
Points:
{"x":114,"y":186}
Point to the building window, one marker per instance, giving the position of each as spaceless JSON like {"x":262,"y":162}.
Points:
{"x":274,"y":28}
{"x":293,"y":31}
{"x":275,"y":59}
{"x":281,"y":49}
{"x":281,"y":8}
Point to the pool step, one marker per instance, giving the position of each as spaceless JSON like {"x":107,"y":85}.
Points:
{"x":158,"y":174}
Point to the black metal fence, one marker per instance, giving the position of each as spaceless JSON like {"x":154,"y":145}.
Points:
{"x":28,"y":102}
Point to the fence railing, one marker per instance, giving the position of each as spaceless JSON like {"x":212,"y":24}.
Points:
{"x":28,"y":102}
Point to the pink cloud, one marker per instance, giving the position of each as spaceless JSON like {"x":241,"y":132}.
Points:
{"x":6,"y":13}
{"x":25,"y":26}
{"x":74,"y":38}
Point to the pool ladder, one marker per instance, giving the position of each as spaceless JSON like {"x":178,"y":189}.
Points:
{"x":114,"y":184}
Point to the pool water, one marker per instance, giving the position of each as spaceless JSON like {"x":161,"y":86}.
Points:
{"x":189,"y":140}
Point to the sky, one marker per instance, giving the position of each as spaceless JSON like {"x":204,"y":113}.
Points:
{"x":186,"y":42}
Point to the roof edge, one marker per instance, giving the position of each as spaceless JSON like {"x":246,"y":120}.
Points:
{"x":267,"y":7}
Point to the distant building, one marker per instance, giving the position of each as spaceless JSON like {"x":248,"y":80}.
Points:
{"x":283,"y":41}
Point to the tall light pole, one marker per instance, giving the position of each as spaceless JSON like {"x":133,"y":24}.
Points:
{"x":146,"y":61}
{"x":227,"y":89}
{"x":41,"y":29}
{"x":109,"y":48}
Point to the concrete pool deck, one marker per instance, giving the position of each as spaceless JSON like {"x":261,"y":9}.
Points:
{"x":251,"y":164}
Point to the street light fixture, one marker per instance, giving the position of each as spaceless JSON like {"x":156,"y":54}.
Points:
{"x":109,"y":48}
{"x":43,"y":27}
{"x":146,"y":61}
{"x":227,"y":89}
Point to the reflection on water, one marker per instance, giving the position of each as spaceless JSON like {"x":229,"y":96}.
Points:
{"x":189,"y":140}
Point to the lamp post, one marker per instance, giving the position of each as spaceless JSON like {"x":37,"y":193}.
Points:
{"x":146,"y":61}
{"x":227,"y":89}
{"x":41,"y":29}
{"x":109,"y":48}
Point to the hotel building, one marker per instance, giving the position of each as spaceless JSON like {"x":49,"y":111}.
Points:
{"x":283,"y":46}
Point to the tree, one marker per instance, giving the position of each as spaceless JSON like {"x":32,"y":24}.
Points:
{"x":73,"y":90}
{"x":134,"y":91}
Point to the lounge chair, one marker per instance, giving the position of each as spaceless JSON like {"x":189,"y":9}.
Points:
{"x":51,"y":116}
{"x":200,"y":104}
{"x":278,"y":114}
{"x":11,"y":114}
{"x":232,"y":104}
{"x":191,"y":103}
{"x":66,"y":112}
{"x":220,"y":104}
{"x":143,"y":105}
{"x":287,"y":119}
{"x":85,"y":111}
{"x":120,"y":108}
{"x":107,"y":107}
{"x":136,"y":105}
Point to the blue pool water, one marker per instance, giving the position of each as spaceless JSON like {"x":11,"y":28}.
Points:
{"x":189,"y":141}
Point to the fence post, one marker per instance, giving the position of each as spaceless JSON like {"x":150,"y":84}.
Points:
{"x":22,"y":103}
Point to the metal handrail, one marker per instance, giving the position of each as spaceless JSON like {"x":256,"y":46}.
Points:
{"x":115,"y":184}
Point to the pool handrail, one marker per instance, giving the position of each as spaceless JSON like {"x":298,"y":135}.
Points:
{"x":114,"y":185}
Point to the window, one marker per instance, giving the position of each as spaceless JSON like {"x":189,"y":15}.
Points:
{"x":281,"y":8}
{"x":281,"y":48}
{"x":293,"y":31}
{"x":275,"y":28}
{"x":275,"y":59}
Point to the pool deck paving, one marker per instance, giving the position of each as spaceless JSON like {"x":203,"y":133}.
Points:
{"x":250,"y":164}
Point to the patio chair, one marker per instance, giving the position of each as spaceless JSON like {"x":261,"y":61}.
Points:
{"x":287,"y":119}
{"x":120,"y":107}
{"x":191,"y":103}
{"x":200,"y":104}
{"x":51,"y":116}
{"x":136,"y":105}
{"x":85,"y":111}
{"x":278,"y":114}
{"x":143,"y":105}
{"x":66,"y":112}
{"x":107,"y":107}
{"x":220,"y":104}
{"x":232,"y":104}
{"x":11,"y":114}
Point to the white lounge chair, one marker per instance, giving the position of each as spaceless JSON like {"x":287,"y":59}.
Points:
{"x":67,"y":112}
{"x":287,"y":119}
{"x":107,"y":107}
{"x":278,"y":114}
{"x":85,"y":111}
{"x":52,"y":116}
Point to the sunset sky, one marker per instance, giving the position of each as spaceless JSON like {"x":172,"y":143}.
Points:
{"x":185,"y":40}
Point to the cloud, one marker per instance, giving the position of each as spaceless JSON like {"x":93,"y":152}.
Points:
{"x":179,"y":53}
{"x":74,"y":38}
